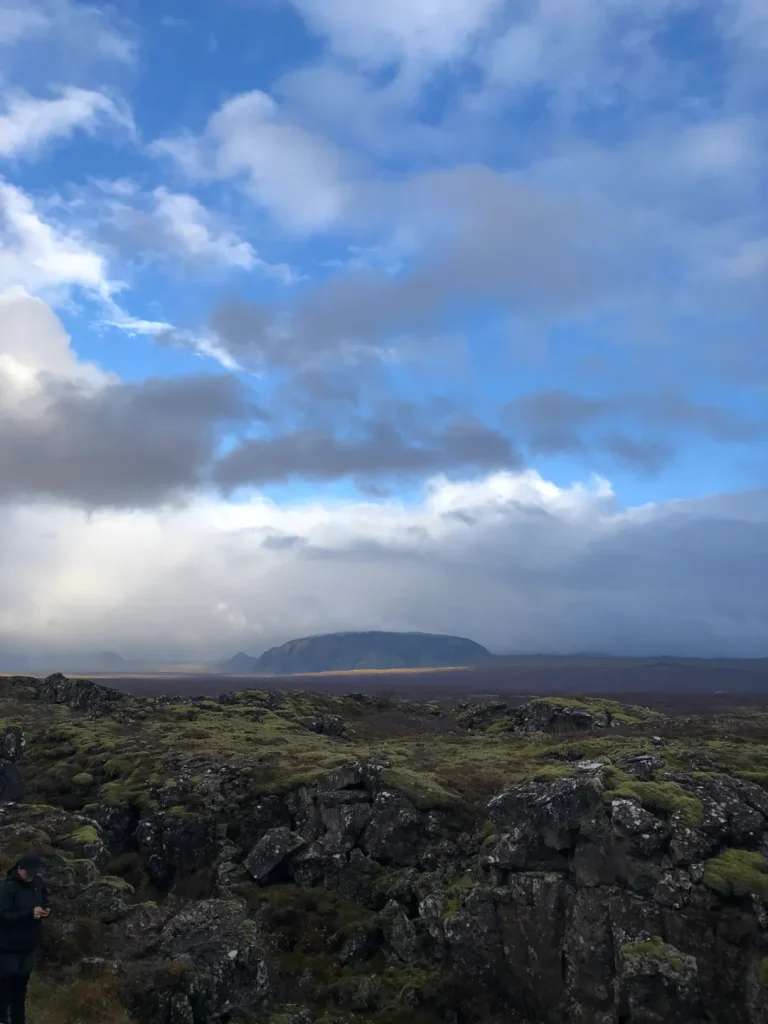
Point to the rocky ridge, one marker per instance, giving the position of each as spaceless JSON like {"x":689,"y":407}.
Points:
{"x":619,"y":877}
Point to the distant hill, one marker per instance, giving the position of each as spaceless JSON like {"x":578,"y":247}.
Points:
{"x":102,"y":661}
{"x":338,"y":652}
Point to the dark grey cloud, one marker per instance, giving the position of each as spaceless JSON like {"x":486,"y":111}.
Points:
{"x":712,"y":420}
{"x":126,"y":444}
{"x":552,"y":420}
{"x":378,"y":449}
{"x":642,"y":454}
{"x":646,"y":428}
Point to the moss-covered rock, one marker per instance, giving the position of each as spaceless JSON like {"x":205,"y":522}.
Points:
{"x":665,"y":797}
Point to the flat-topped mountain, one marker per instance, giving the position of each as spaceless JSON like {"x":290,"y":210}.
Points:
{"x":337,"y":652}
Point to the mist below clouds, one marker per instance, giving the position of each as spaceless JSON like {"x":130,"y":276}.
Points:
{"x":511,"y":560}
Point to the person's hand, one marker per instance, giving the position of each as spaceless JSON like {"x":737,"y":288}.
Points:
{"x":39,"y":913}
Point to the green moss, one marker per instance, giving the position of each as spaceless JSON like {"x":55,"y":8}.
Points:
{"x":654,"y":948}
{"x":451,"y":907}
{"x":83,"y":779}
{"x":737,"y":873}
{"x":85,"y":835}
{"x":421,"y":788}
{"x":759,"y":778}
{"x":181,"y":811}
{"x":666,"y":797}
{"x":762,"y":972}
{"x":116,"y":883}
{"x":550,"y":772}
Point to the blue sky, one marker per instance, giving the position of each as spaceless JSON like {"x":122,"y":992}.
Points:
{"x":343,"y":263}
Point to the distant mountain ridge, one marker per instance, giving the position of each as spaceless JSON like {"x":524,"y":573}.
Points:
{"x":372,"y":649}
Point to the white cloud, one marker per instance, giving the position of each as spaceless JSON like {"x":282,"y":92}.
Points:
{"x":186,"y":221}
{"x":297,"y":176}
{"x":418,"y":33}
{"x":582,"y":52}
{"x":42,"y":258}
{"x":34,"y":347}
{"x":18,"y":22}
{"x":27,"y":123}
{"x":87,"y":31}
{"x":718,"y":148}
{"x":159,"y":225}
{"x":747,"y":21}
{"x":514,"y":560}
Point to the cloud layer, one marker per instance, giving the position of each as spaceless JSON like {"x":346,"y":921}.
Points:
{"x":511,"y":559}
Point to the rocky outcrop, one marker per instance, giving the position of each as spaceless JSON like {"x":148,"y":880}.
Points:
{"x":201,"y":963}
{"x":12,"y":743}
{"x":597,"y":909}
{"x":272,"y":851}
{"x":78,"y":694}
{"x":609,"y":896}
{"x":542,"y":715}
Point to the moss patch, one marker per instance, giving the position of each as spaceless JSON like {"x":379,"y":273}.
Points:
{"x":664,"y":797}
{"x":737,"y":873}
{"x":653,"y":949}
{"x":86,"y":835}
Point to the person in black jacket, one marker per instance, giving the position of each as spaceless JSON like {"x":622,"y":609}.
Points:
{"x":23,"y":908}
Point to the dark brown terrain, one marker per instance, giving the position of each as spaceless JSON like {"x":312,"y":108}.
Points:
{"x":394,"y":847}
{"x":685,"y":682}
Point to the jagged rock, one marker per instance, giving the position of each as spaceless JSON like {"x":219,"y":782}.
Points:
{"x":117,"y":823}
{"x":208,"y":958}
{"x":642,"y":766}
{"x":325,"y":725}
{"x":259,"y":817}
{"x":643,"y":832}
{"x":175,"y":843}
{"x":399,"y":932}
{"x":394,"y":833}
{"x":362,"y":944}
{"x":12,"y":787}
{"x":78,"y":694}
{"x":658,"y":984}
{"x":138,"y":932}
{"x":106,"y":898}
{"x":545,"y":716}
{"x":272,"y":850}
{"x":12,"y":744}
{"x":540,"y":819}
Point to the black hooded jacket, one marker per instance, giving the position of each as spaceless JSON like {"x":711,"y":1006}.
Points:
{"x":19,"y":931}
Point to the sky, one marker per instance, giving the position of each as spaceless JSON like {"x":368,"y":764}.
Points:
{"x":427,"y":314}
